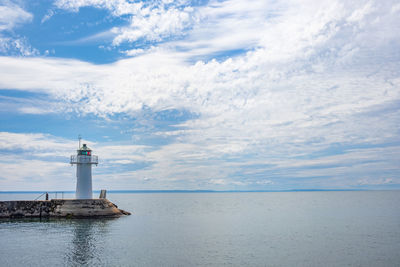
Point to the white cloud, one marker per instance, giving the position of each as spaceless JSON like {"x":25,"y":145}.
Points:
{"x":28,"y":105}
{"x":360,"y":13}
{"x":206,"y":84}
{"x":380,"y":181}
{"x":265,"y":182}
{"x":202,"y":31}
{"x":27,"y":174}
{"x":218,"y":181}
{"x":117,"y":7}
{"x":134,"y":52}
{"x":152,"y":20}
{"x":12,"y":16}
{"x":395,"y":8}
{"x":46,"y":17}
{"x":318,"y":75}
{"x":160,"y":23}
{"x":39,"y":161}
{"x":35,"y":162}
{"x":34,"y":143}
{"x":16,"y":46}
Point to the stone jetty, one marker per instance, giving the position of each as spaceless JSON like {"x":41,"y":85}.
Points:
{"x":69,"y":208}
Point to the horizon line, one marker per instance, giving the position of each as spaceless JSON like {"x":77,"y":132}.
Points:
{"x":199,"y":191}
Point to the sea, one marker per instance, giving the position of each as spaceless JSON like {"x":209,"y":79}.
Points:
{"x":318,"y":228}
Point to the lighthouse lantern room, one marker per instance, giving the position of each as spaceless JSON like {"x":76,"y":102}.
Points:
{"x":84,"y":161}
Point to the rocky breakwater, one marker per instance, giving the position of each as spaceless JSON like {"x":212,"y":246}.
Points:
{"x":70,"y":208}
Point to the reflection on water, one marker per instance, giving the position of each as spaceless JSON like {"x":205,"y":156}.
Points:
{"x":59,"y":241}
{"x":87,"y":242}
{"x":83,"y":245}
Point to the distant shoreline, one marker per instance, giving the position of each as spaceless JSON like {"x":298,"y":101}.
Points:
{"x":201,"y":191}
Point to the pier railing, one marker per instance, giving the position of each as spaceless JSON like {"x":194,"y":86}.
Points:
{"x":51,"y":195}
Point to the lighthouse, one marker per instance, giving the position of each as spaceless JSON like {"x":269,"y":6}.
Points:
{"x":84,"y":206}
{"x":84,"y":161}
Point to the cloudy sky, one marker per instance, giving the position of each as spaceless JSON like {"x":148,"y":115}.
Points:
{"x":222,"y":95}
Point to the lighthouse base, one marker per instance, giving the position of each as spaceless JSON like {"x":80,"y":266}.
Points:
{"x":70,"y":208}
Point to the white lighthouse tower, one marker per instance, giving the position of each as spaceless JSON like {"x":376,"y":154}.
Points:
{"x":84,"y":161}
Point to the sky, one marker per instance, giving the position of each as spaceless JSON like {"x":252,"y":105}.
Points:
{"x":201,"y":95}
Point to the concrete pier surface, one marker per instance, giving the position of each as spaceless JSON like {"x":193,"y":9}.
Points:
{"x":70,"y":208}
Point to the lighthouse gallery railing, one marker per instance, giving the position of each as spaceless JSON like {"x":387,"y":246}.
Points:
{"x":84,"y":159}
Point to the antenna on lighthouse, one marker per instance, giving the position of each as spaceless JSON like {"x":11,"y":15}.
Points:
{"x":79,"y":138}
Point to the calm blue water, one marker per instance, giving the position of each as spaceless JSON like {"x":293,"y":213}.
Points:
{"x":216,"y":229}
